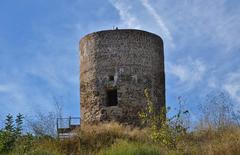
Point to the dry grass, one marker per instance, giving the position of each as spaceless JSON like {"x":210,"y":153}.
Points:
{"x":95,"y":137}
{"x":116,"y":130}
{"x":113,"y":138}
{"x":201,"y":141}
{"x":210,"y":142}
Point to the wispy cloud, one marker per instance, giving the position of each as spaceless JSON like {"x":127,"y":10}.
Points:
{"x":232,"y":85}
{"x":148,"y":18}
{"x":12,"y":99}
{"x":166,"y":32}
{"x":189,"y":72}
{"x":214,"y":22}
{"x":5,"y":88}
{"x":127,"y":18}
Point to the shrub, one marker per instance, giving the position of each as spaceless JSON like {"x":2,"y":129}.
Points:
{"x":7,"y":140}
{"x":166,"y":131}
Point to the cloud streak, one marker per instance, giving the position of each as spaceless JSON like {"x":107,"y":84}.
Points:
{"x":124,"y":10}
{"x":5,"y":88}
{"x":232,"y":85}
{"x":148,"y":18}
{"x":188,"y":72}
{"x":166,"y":32}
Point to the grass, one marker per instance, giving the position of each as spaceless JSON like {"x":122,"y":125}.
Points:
{"x":131,"y":148}
{"x":115,"y":139}
{"x":213,"y":141}
{"x":95,"y":137}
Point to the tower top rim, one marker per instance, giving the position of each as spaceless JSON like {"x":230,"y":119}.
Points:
{"x":120,"y":30}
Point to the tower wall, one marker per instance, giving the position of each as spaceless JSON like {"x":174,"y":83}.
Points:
{"x":117,"y":66}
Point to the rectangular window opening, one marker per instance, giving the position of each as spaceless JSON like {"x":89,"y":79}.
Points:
{"x":111,"y":78}
{"x":112,"y":99}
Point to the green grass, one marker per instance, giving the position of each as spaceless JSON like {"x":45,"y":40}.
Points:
{"x":131,"y":148}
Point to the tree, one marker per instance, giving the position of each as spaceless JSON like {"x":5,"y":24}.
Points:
{"x":44,"y":124}
{"x":217,"y":111}
{"x":19,"y":123}
{"x":9,"y":125}
{"x":7,"y":136}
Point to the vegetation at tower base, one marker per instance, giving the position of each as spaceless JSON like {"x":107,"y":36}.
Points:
{"x":217,"y":133}
{"x":164,"y":130}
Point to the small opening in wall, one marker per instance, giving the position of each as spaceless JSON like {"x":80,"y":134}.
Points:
{"x":111,"y":99}
{"x":111,"y":78}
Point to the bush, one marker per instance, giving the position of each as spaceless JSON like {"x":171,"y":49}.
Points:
{"x":166,"y":131}
{"x":7,"y":140}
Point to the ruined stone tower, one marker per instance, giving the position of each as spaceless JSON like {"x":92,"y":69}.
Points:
{"x":116,"y":67}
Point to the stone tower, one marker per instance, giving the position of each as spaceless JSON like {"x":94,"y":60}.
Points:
{"x":116,"y":67}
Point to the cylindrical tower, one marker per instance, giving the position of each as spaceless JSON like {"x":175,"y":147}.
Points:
{"x":116,"y":67}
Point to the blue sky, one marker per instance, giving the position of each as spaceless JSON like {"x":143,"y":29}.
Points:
{"x":39,"y":56}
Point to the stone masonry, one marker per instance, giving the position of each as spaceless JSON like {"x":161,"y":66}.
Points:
{"x":116,"y":67}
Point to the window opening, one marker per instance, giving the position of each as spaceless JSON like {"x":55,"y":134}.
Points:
{"x":111,"y":97}
{"x":111,"y":78}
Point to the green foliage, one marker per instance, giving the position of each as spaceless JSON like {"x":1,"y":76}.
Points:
{"x":24,"y":143}
{"x":7,"y":137}
{"x":10,"y":133}
{"x":131,"y":148}
{"x":32,"y":145}
{"x":7,"y":140}
{"x":19,"y":123}
{"x":9,"y":125}
{"x":166,"y":131}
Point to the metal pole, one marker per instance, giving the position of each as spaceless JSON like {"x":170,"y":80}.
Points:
{"x":69,"y":121}
{"x":57,"y":129}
